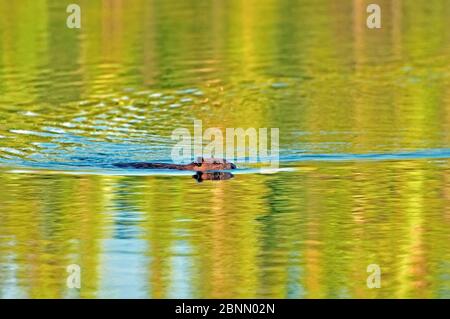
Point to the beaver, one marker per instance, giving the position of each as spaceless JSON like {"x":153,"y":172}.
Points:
{"x":201,"y":165}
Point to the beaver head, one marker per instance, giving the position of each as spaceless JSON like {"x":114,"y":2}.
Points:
{"x":211,"y":164}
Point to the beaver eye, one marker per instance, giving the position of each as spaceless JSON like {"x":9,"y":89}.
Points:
{"x":198,"y":164}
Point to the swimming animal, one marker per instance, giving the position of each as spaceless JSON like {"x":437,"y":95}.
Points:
{"x":201,"y":165}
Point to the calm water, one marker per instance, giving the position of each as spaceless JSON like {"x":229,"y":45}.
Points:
{"x":363,"y":118}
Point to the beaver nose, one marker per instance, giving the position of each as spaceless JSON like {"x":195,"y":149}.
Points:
{"x":232,"y":166}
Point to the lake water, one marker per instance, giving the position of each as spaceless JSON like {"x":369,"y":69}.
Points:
{"x":363,"y":117}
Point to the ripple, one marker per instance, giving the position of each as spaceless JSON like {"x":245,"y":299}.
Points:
{"x":11,"y":150}
{"x":36,"y":133}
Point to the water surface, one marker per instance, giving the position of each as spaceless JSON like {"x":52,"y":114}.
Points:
{"x":364,"y":149}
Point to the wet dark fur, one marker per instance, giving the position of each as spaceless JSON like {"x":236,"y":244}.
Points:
{"x":201,"y":165}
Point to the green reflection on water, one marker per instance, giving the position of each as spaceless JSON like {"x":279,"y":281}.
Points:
{"x":311,"y":233}
{"x":133,"y":73}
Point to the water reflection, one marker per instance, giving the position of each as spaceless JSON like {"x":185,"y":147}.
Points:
{"x":76,"y":101}
{"x":212,"y":176}
{"x":118,"y":87}
{"x":309,"y":233}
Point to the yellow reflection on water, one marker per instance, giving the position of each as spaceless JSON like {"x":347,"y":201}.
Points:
{"x":309,"y":233}
{"x":134,"y":73}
